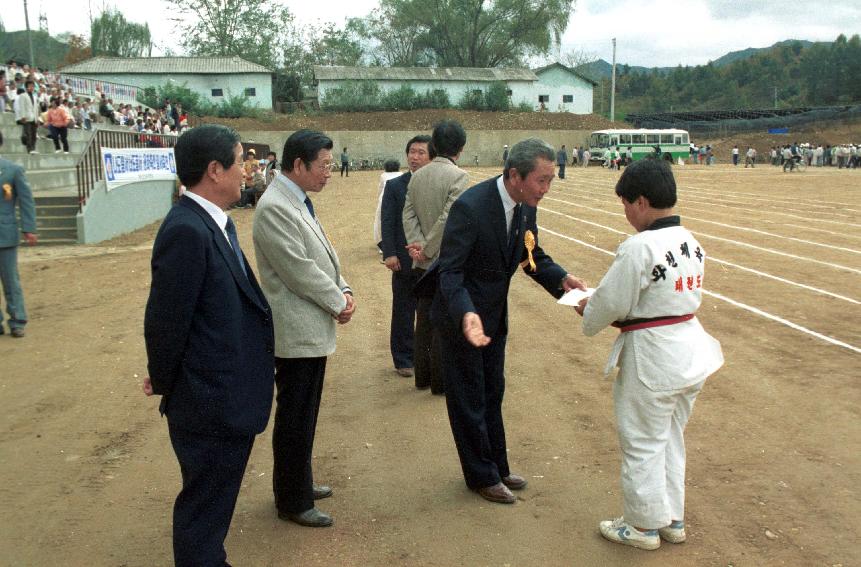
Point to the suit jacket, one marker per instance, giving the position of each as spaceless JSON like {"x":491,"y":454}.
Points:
{"x":432,"y":190}
{"x":26,"y":109}
{"x":477,"y":261}
{"x":14,"y":190}
{"x":394,"y":240}
{"x":208,"y":329}
{"x":299,"y":273}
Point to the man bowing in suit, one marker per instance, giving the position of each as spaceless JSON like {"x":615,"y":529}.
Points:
{"x":491,"y":229}
{"x":301,"y":277}
{"x":209,"y":343}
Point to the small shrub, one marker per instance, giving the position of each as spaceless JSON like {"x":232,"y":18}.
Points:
{"x":496,"y":97}
{"x":472,"y":99}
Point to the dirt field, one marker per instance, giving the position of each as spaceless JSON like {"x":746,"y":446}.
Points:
{"x":88,"y":478}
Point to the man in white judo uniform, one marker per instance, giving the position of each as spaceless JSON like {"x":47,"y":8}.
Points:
{"x":651,"y":294}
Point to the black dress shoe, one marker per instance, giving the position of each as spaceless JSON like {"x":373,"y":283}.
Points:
{"x":514,"y":482}
{"x":322,"y":491}
{"x":312,"y":518}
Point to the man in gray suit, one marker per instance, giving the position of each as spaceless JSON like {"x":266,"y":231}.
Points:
{"x":15,"y":191}
{"x":301,"y":278}
{"x":431,"y":192}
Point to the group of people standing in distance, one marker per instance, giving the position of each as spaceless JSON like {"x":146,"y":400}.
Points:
{"x":217,"y":341}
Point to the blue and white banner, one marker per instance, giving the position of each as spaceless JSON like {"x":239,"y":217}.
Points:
{"x":133,"y":165}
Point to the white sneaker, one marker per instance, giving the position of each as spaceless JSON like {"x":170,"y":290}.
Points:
{"x":65,"y":152}
{"x":34,"y":152}
{"x":620,"y":531}
{"x":674,"y":533}
{"x":57,"y":151}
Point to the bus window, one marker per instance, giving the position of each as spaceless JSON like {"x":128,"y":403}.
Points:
{"x":614,"y":140}
{"x":678,"y":140}
{"x":638,"y":138}
{"x":685,"y":139}
{"x":653,"y":138}
{"x":666,"y":138}
{"x":599,"y":140}
{"x":625,"y":138}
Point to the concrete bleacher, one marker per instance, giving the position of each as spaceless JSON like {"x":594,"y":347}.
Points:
{"x":51,"y":177}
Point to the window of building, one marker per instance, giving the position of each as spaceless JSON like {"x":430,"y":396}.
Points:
{"x":508,"y":92}
{"x":568,"y":98}
{"x":544,"y":98}
{"x":250,"y":91}
{"x":217,"y":92}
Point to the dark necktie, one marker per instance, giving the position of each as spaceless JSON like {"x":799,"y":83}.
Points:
{"x":230,"y":229}
{"x":514,"y":231}
{"x":310,"y":206}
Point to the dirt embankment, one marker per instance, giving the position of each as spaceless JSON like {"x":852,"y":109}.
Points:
{"x":825,"y":133}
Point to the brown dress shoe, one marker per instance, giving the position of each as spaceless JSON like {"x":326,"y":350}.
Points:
{"x":498,"y":493}
{"x":405,"y":372}
{"x":514,"y":482}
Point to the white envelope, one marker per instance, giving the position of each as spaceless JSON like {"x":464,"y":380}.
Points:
{"x":574,"y":296}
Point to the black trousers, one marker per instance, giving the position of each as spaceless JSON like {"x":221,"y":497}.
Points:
{"x":426,"y":349}
{"x":28,"y":133}
{"x":561,"y":170}
{"x":60,"y":135}
{"x":212,"y":469}
{"x":345,"y":167}
{"x":299,"y":383}
{"x":474,"y":387}
{"x":402,"y":334}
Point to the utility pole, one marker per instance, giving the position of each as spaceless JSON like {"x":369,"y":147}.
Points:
{"x":29,"y":36}
{"x":775,"y":98}
{"x":613,"y":85}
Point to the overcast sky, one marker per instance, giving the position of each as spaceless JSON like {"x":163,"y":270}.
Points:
{"x":653,"y":33}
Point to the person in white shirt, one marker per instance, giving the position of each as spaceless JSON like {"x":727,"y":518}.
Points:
{"x":651,"y":294}
{"x":391,"y":169}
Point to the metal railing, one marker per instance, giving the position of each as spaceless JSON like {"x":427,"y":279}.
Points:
{"x":90,"y":170}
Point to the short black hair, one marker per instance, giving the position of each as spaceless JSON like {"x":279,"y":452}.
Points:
{"x":273,"y":154}
{"x":391,"y":165}
{"x":650,"y":178}
{"x":420,"y":139}
{"x":448,"y":138}
{"x":198,"y":147}
{"x":306,"y":145}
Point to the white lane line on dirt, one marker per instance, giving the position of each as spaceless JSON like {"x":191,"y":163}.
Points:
{"x":747,"y":229}
{"x":736,"y":242}
{"x":733,"y":302}
{"x":565,"y":183}
{"x":831,"y":232}
{"x":724,"y":262}
{"x":777,"y":200}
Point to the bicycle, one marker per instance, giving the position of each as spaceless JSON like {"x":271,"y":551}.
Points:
{"x":794,"y":163}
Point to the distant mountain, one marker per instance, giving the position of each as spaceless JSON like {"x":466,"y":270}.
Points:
{"x":601,"y":69}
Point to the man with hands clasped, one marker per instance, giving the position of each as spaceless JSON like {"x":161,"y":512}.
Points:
{"x":301,"y":277}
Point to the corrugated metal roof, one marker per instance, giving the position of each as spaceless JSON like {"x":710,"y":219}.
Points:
{"x":478,"y":74}
{"x":150,"y":65}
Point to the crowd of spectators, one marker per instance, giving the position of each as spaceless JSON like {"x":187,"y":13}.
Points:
{"x":60,"y":108}
{"x":815,"y":155}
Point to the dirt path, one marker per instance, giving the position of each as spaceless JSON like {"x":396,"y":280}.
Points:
{"x":88,"y":478}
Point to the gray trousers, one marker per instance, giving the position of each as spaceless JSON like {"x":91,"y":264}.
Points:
{"x":12,"y":288}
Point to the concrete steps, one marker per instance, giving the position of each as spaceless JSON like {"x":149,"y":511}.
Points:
{"x":56,"y":218}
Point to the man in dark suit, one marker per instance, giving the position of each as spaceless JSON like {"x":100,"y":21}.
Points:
{"x":397,"y":257}
{"x":491,"y":229}
{"x":209,"y":341}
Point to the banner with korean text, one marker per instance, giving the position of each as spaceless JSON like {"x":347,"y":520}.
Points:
{"x":133,"y":165}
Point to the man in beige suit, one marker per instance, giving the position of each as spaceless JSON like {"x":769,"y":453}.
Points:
{"x":301,"y":278}
{"x":431,"y":192}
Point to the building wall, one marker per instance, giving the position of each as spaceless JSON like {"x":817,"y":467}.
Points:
{"x":124,"y":209}
{"x":486,"y":145}
{"x":231,"y":84}
{"x":557,"y":82}
{"x":521,"y":91}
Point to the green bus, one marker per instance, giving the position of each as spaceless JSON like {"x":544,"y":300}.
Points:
{"x":642,"y":142}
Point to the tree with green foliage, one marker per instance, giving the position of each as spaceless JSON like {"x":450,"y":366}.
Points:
{"x":466,"y":33}
{"x":112,"y":35}
{"x":256,"y":31}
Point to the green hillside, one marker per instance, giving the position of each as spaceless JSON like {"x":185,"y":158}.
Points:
{"x":47,"y":51}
